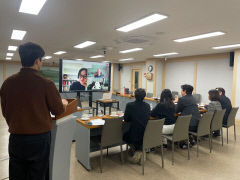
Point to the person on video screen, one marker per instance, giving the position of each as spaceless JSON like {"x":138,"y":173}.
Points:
{"x":98,"y":74}
{"x":81,"y":84}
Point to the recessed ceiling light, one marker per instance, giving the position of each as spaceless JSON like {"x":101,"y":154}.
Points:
{"x":97,"y":56}
{"x":85,"y":44}
{"x":79,"y":59}
{"x":60,"y":52}
{"x":142,"y":22}
{"x":127,"y":59}
{"x":130,"y":50}
{"x":47,"y":57}
{"x":201,"y":36}
{"x":165,"y":54}
{"x":12,"y":48}
{"x":31,"y":7}
{"x":106,"y":61}
{"x":227,"y":46}
{"x":18,"y":34}
{"x":10,"y":54}
{"x":8,"y":58}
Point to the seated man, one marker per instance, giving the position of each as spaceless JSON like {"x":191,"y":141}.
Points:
{"x":225,"y":103}
{"x":138,"y":114}
{"x":187,"y":105}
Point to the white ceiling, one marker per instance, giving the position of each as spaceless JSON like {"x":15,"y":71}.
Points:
{"x":61,"y":24}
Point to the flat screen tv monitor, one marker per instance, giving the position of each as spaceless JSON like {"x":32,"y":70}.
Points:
{"x":77,"y":76}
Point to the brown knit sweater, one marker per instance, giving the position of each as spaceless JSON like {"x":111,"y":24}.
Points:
{"x":27,"y":100}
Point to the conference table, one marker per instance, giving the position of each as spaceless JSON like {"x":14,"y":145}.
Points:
{"x":84,"y":145}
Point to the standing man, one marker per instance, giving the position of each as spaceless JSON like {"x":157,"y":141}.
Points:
{"x":225,"y":103}
{"x":27,"y":100}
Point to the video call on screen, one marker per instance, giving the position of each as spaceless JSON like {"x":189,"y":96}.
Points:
{"x":84,"y":76}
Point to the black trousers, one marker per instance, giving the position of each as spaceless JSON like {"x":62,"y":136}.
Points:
{"x":29,"y":156}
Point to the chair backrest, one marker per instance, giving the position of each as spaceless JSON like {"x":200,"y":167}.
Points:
{"x":231,"y":117}
{"x":153,"y":133}
{"x":205,"y":124}
{"x":180,"y":131}
{"x":107,"y":95}
{"x":149,"y":95}
{"x":197,"y":97}
{"x":217,"y":120}
{"x":112,"y":131}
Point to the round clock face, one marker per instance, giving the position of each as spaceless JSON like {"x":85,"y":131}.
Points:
{"x":150,"y":68}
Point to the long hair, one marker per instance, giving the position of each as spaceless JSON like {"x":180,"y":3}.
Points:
{"x":167,"y":98}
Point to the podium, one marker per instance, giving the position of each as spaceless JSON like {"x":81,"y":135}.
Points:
{"x":61,"y":143}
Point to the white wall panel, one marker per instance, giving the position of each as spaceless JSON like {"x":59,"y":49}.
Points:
{"x":177,"y":74}
{"x":214,"y":73}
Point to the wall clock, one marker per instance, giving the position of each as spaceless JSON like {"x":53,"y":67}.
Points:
{"x":150,"y":68}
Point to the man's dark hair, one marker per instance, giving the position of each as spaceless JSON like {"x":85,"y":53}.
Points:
{"x":82,"y":69}
{"x":219,"y":89}
{"x":167,"y":98}
{"x":29,"y":52}
{"x":187,"y":88}
{"x":214,"y":95}
{"x":140,"y":94}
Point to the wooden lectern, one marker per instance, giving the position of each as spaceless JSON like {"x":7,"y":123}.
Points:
{"x":70,"y":109}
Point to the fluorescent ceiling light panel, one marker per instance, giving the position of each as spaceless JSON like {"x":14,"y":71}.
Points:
{"x":227,"y":46}
{"x":8,"y":58}
{"x":31,"y":6}
{"x":47,"y":57}
{"x":165,"y":54}
{"x":97,"y":56}
{"x":60,"y":52}
{"x":85,"y":44}
{"x":106,"y":61}
{"x":12,"y":48}
{"x":18,"y":34}
{"x":79,"y":59}
{"x":130,"y":50}
{"x":201,"y":36}
{"x":142,"y":22}
{"x":128,"y":59}
{"x":10,"y":54}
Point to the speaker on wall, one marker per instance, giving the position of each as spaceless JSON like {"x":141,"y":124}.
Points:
{"x":231,"y":62}
{"x":119,"y":67}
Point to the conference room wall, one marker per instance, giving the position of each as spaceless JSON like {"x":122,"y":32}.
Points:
{"x":178,"y":73}
{"x":115,"y":82}
{"x":236,"y":83}
{"x":1,"y":74}
{"x":12,"y":69}
{"x":125,"y":75}
{"x":210,"y":71}
{"x":214,"y":73}
{"x":159,"y":67}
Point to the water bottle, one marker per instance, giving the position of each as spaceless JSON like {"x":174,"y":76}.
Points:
{"x":99,"y":112}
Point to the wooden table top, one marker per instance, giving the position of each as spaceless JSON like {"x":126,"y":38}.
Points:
{"x":107,"y":100}
{"x":132,"y":97}
{"x":83,"y":122}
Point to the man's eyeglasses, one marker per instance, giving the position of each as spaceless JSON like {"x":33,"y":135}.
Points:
{"x":85,"y":77}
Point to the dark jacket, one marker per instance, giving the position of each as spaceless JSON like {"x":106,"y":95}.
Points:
{"x":27,"y":100}
{"x":76,"y":86}
{"x":226,"y":104}
{"x":138,"y":114}
{"x":161,"y":111}
{"x":187,"y":105}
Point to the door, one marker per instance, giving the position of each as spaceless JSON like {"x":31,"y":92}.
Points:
{"x":136,"y":79}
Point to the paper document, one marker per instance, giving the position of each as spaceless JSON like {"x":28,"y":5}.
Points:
{"x":97,"y":122}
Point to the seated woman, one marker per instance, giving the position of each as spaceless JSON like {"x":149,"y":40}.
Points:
{"x":214,"y":98}
{"x":165,"y":109}
{"x":214,"y":105}
{"x":137,"y":113}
